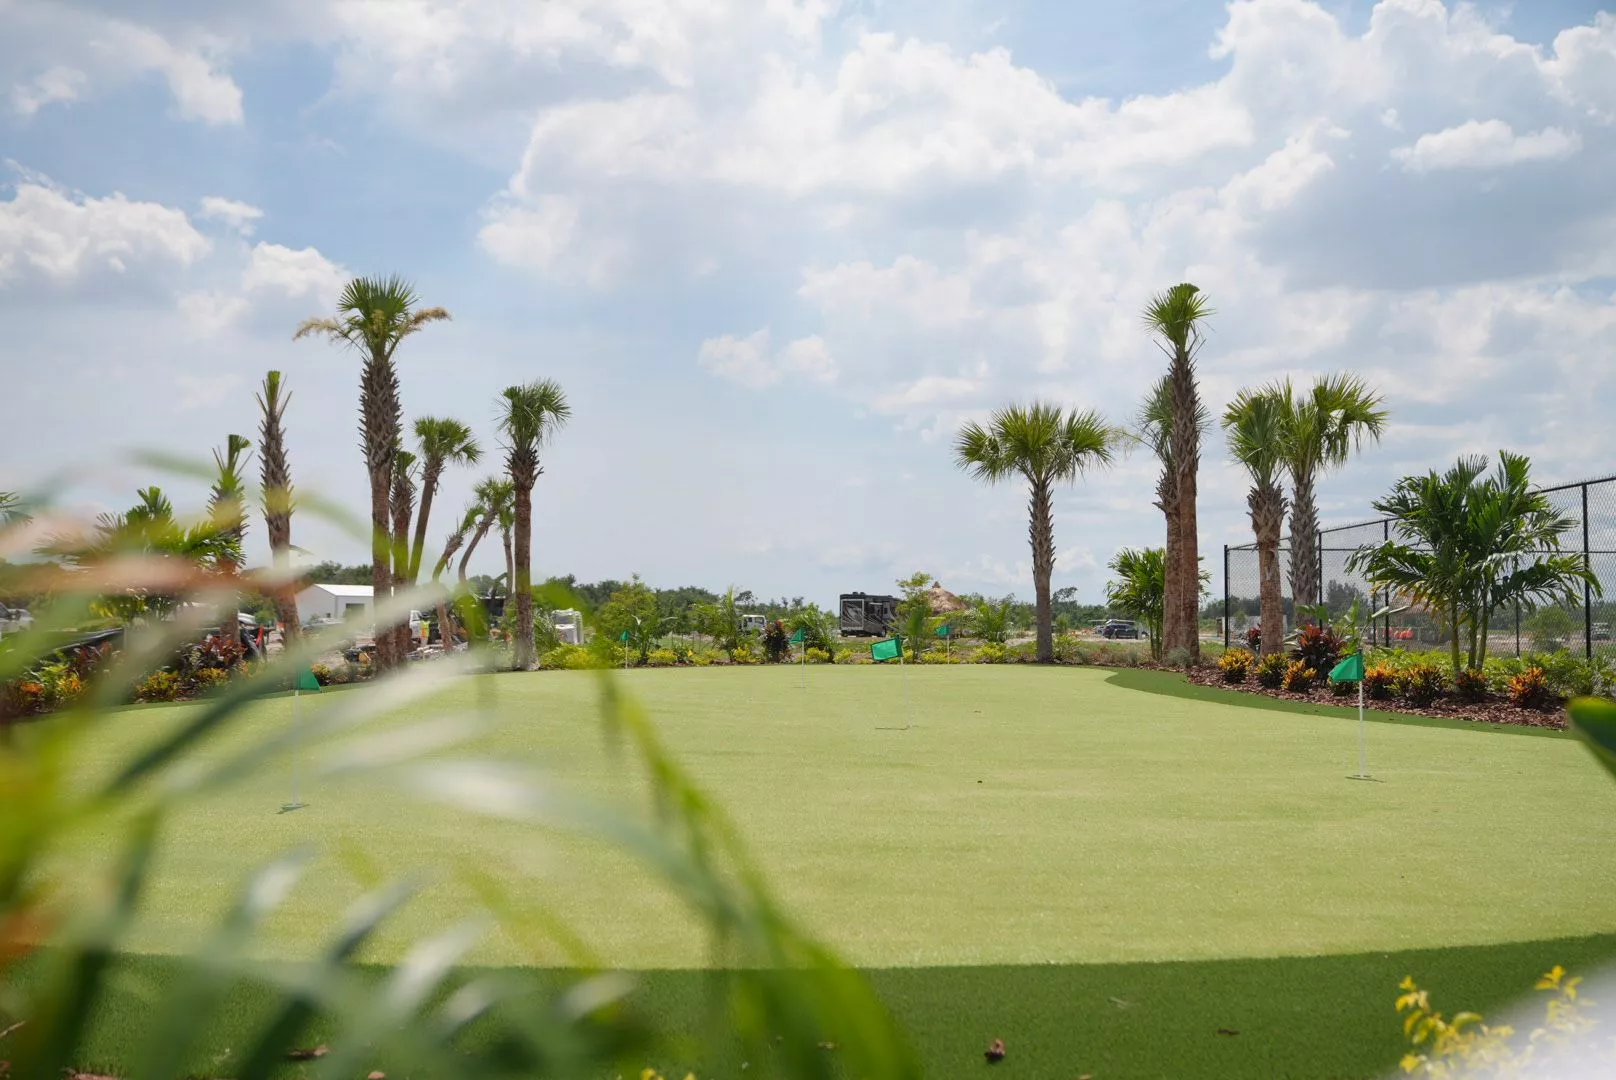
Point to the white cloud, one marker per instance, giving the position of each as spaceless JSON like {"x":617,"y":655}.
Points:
{"x":752,"y":361}
{"x":52,"y":85}
{"x":1485,"y":144}
{"x":237,"y":215}
{"x":61,"y":235}
{"x":61,"y":51}
{"x":300,"y":273}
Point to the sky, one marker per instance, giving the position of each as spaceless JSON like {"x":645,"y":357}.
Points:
{"x":778,"y":251}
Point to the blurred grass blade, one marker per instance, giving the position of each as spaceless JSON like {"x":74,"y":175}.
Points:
{"x":1594,"y":721}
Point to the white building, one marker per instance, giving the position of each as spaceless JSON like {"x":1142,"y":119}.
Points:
{"x":335,"y":603}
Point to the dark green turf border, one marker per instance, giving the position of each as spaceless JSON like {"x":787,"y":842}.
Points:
{"x":1174,"y":684}
{"x":1308,"y":1018}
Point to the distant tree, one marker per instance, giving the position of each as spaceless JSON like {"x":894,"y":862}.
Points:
{"x":989,"y":620}
{"x":275,"y":476}
{"x":820,"y":629}
{"x":442,"y":442}
{"x":334,"y":573}
{"x":915,"y":622}
{"x":632,"y":610}
{"x":1176,"y":317}
{"x":530,"y":415}
{"x":494,"y":496}
{"x":374,"y":315}
{"x":1044,"y":446}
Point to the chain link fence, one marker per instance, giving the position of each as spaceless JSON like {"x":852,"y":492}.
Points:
{"x":1584,"y":627}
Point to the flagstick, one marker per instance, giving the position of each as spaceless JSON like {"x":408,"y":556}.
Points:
{"x":908,"y":707}
{"x":297,"y":727}
{"x":1361,"y":751}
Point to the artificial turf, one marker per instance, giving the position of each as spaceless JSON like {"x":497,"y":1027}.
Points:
{"x":1035,"y":843}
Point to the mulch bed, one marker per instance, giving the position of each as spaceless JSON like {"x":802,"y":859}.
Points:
{"x":1493,"y":710}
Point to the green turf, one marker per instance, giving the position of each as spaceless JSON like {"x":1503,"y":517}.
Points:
{"x":1313,"y":1017}
{"x":1030,"y":816}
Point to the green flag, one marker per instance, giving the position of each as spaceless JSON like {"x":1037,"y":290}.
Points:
{"x":623,"y":636}
{"x":799,"y":635}
{"x":890,"y":649}
{"x":944,"y":630}
{"x":306,"y":680}
{"x":1348,"y":670}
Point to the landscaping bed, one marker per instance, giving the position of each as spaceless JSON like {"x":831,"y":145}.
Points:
{"x":1493,"y":709}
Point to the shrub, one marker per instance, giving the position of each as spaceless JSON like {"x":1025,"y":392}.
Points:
{"x":745,"y":653}
{"x":1254,"y":640}
{"x":661,"y":658}
{"x":208,"y":679}
{"x":322,"y":674}
{"x":1530,"y":689}
{"x":568,"y":658}
{"x":158,"y":686}
{"x":1317,"y":647}
{"x":1421,"y":683}
{"x":776,"y":642}
{"x":990,"y":653}
{"x":1271,"y":670}
{"x":1470,"y":685}
{"x":1299,"y":678}
{"x":62,"y":685}
{"x":1235,"y":665}
{"x":939,"y":656}
{"x":21,"y":697}
{"x":1340,"y":687}
{"x":1177,"y":658}
{"x":1380,"y":682}
{"x":818,"y":656}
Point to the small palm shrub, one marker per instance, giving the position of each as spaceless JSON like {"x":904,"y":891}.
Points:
{"x":158,"y":686}
{"x":1235,"y":665}
{"x":776,"y":642}
{"x":1380,"y":682}
{"x":1470,"y":685}
{"x":1299,"y":678}
{"x":1271,"y":670}
{"x":1530,"y":689}
{"x":1421,"y":683}
{"x":990,"y":653}
{"x":1317,"y":647}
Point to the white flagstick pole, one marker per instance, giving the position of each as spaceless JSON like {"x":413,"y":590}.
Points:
{"x":908,"y":706}
{"x":1361,"y":751}
{"x":297,"y":726}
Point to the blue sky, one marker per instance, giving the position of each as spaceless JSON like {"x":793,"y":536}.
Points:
{"x":778,"y":250}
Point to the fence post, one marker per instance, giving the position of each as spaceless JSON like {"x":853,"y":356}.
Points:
{"x":1225,"y":596}
{"x":1587,"y":587}
{"x":1517,"y":629}
{"x":1386,"y":620}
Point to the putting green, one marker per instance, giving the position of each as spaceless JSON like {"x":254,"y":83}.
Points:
{"x":1029,"y":816}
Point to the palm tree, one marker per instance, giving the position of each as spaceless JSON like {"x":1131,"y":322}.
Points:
{"x":442,"y":442}
{"x":1175,"y":317}
{"x":1466,"y":544}
{"x":468,"y":521}
{"x":1323,"y":427}
{"x":1155,"y":429}
{"x":1043,"y":445}
{"x":13,"y":510}
{"x":275,"y":475}
{"x":530,"y":414}
{"x":1255,"y":423}
{"x":721,"y":620}
{"x":373,"y":316}
{"x":227,"y":514}
{"x":403,"y":510}
{"x":990,"y":621}
{"x":494,"y":497}
{"x":1140,"y":590}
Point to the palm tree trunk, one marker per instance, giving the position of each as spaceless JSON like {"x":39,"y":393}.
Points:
{"x":1267,"y":521}
{"x":279,"y":527}
{"x":1304,"y":544}
{"x":431,"y":473}
{"x":523,"y":577}
{"x":1042,"y":535}
{"x":483,"y":526}
{"x":1453,"y":622}
{"x":1480,"y":659}
{"x":1189,"y":570}
{"x":381,"y":562}
{"x":510,"y":564}
{"x":403,"y":497}
{"x":1167,"y":502}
